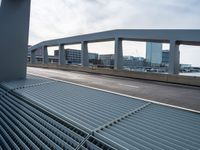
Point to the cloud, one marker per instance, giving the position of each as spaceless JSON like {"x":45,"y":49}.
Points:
{"x":60,"y":18}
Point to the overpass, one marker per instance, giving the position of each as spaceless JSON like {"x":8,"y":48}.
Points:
{"x":173,"y":37}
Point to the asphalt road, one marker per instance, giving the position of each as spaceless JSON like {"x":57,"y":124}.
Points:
{"x":173,"y":94}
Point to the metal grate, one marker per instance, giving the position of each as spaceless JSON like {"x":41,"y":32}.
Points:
{"x":155,"y":127}
{"x":24,"y":126}
{"x":86,"y":107}
{"x":93,"y":120}
{"x":95,"y":144}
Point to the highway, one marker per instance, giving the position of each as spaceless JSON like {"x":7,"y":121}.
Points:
{"x":173,"y":94}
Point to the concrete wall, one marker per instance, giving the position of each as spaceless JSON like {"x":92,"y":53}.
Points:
{"x":177,"y":79}
{"x":14,"y":27}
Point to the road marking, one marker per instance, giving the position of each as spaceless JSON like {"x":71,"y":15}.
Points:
{"x":129,"y":85}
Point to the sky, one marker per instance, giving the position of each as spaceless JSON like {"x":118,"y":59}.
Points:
{"x":63,"y":18}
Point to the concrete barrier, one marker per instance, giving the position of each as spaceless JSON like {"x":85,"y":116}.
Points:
{"x":168,"y":78}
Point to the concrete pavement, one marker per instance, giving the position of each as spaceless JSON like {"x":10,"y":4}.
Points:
{"x":173,"y":94}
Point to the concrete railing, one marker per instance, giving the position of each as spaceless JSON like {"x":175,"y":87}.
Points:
{"x":173,"y":37}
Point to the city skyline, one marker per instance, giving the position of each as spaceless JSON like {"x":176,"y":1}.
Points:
{"x":63,"y":18}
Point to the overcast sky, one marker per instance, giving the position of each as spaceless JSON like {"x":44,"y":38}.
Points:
{"x":62,"y":18}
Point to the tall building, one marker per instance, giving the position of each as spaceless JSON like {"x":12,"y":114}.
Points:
{"x":154,"y":53}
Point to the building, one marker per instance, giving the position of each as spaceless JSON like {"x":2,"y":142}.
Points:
{"x":165,"y":57}
{"x":73,"y":56}
{"x":107,"y":60}
{"x":182,"y":66}
{"x":130,"y":62}
{"x":154,"y":53}
{"x":93,"y":58}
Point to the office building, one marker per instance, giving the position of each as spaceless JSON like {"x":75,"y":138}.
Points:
{"x":73,"y":56}
{"x":154,"y":53}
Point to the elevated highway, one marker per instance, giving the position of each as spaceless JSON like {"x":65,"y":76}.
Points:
{"x":173,"y":37}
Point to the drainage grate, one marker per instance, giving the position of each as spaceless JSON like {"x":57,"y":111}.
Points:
{"x":86,"y":107}
{"x":30,"y":117}
{"x":95,"y":144}
{"x":155,"y":127}
{"x":24,"y":126}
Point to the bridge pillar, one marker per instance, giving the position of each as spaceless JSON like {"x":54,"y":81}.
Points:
{"x":33,"y":57}
{"x":14,"y":29}
{"x":45,"y":55}
{"x":84,"y":54}
{"x":118,"y":60}
{"x":174,"y":57}
{"x":62,"y":56}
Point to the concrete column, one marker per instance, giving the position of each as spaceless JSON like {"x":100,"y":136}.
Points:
{"x":62,"y":56}
{"x":14,"y":29}
{"x":118,"y":61}
{"x":33,"y":57}
{"x":174,"y":58}
{"x":45,"y":55}
{"x":84,"y":54}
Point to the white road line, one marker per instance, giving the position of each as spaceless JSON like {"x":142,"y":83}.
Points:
{"x":132,"y":86}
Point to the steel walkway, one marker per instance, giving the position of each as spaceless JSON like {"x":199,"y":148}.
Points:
{"x":41,"y":113}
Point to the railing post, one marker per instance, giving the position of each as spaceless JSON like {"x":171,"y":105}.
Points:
{"x":45,"y":55}
{"x":174,"y":58}
{"x":33,"y":57}
{"x":62,"y":56}
{"x":118,"y":59}
{"x":84,"y":54}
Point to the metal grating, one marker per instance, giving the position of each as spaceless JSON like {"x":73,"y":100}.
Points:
{"x":93,"y":120}
{"x":95,"y":144}
{"x":155,"y":127}
{"x":24,"y":126}
{"x":86,"y":107}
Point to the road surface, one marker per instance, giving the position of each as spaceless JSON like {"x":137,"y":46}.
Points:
{"x":173,"y":94}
